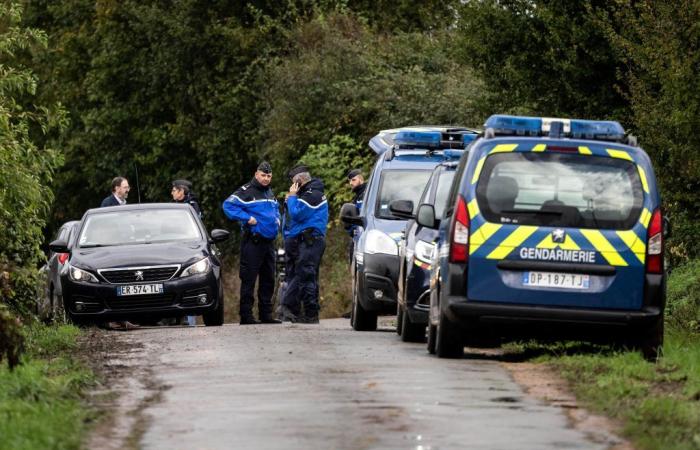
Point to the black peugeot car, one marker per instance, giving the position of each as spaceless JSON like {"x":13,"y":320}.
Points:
{"x":144,"y":261}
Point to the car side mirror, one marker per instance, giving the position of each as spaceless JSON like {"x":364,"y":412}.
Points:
{"x":219,"y":235}
{"x":402,"y":208}
{"x":667,"y":227}
{"x":426,"y":216}
{"x":59,"y":246}
{"x":350,"y":215}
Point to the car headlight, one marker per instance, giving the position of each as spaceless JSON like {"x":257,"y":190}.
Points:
{"x":81,"y":275}
{"x":424,"y":251}
{"x":379,"y":242}
{"x":201,"y":266}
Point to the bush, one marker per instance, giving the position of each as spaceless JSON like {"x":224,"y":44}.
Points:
{"x":11,"y":341}
{"x":683,"y":297}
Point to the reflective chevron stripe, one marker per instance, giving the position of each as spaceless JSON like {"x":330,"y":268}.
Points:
{"x":477,"y":171}
{"x":539,"y":148}
{"x":645,"y":217}
{"x":643,"y":176}
{"x":503,"y":148}
{"x":513,"y":240}
{"x":481,"y":235}
{"x":635,"y":244}
{"x":585,"y":150}
{"x":619,"y":154}
{"x":604,"y":247}
{"x":473,"y":208}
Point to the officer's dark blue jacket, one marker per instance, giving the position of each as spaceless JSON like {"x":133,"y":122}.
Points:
{"x":307,"y":209}
{"x":254,"y":199}
{"x":357,"y":200}
{"x":191,"y":199}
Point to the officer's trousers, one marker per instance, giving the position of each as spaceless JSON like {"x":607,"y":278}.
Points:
{"x":303,"y":259}
{"x":257,"y":262}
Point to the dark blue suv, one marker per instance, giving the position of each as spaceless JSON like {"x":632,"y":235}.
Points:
{"x":406,"y":159}
{"x":415,"y":257}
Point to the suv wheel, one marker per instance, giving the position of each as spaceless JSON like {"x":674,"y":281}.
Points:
{"x":651,"y":342}
{"x":448,"y":342}
{"x":432,"y":336}
{"x":399,"y":319}
{"x":412,"y":332}
{"x":363,"y":320}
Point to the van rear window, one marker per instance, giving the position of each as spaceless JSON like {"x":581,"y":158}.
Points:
{"x":555,"y":189}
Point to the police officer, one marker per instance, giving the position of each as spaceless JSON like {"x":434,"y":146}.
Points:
{"x":182,"y":193}
{"x":255,"y":207}
{"x":358,"y":186}
{"x":304,"y":243}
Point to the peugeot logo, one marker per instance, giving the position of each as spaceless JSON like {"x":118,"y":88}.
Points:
{"x":139,"y":275}
{"x":558,"y":236}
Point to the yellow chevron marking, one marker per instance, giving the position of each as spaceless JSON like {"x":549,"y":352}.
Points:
{"x":568,"y":243}
{"x":619,"y":154}
{"x":539,"y":148}
{"x":482,"y":235}
{"x":643,"y":176}
{"x":503,"y":148}
{"x":635,"y":244}
{"x":645,"y":217}
{"x":513,"y":240}
{"x":473,"y":209}
{"x":477,"y":171}
{"x":605,"y":248}
{"x":585,"y":150}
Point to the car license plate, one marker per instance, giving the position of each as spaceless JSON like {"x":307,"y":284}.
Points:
{"x":557,"y":280}
{"x":140,"y":289}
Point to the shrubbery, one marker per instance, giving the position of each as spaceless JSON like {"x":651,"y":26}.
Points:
{"x":683,"y":297}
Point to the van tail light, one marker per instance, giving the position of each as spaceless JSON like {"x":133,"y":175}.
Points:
{"x":655,"y":244}
{"x":62,"y":258}
{"x":459,"y":248}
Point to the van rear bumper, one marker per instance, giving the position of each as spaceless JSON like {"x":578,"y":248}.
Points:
{"x":459,"y":310}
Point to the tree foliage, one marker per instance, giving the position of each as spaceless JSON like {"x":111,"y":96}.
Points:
{"x":25,"y":170}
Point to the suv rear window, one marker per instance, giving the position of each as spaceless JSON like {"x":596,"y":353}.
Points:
{"x":400,"y":185}
{"x":556,"y":189}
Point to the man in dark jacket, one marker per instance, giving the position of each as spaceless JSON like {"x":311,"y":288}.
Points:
{"x":120,"y":191}
{"x":255,"y":207}
{"x":182,"y":193}
{"x":304,"y":243}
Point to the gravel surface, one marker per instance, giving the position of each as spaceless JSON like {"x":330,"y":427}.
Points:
{"x":322,"y":387}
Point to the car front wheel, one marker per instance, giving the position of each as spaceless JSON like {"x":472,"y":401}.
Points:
{"x":363,"y":320}
{"x":448,"y":342}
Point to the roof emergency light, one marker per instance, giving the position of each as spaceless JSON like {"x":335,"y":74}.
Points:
{"x":605,"y":130}
{"x":418,"y":139}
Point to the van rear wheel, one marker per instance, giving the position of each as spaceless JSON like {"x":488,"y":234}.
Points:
{"x":448,"y":342}
{"x":412,"y":332}
{"x":651,"y":343}
{"x":432,"y":337}
{"x":399,"y":319}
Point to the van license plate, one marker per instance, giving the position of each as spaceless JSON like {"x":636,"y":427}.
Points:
{"x":556,"y":280}
{"x":140,"y":289}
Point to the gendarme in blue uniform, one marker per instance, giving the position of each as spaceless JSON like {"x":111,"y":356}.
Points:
{"x":257,"y":244}
{"x":304,"y":243}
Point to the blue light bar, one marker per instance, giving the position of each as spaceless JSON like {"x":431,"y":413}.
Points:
{"x":452,"y":153}
{"x":468,"y":139}
{"x":514,"y":125}
{"x":596,"y":129}
{"x":418,"y":139}
{"x":540,"y":126}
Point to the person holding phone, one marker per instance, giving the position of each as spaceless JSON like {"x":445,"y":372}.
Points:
{"x":304,"y":244}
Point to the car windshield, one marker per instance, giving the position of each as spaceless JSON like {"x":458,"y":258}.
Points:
{"x":142,"y":226}
{"x":400,"y":185}
{"x":555,"y":189}
{"x":443,"y":191}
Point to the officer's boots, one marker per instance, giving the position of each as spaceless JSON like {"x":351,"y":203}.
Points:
{"x":267,"y":318}
{"x":313,"y":318}
{"x":248,"y":320}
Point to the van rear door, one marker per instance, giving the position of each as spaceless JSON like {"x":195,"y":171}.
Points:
{"x":565,"y":227}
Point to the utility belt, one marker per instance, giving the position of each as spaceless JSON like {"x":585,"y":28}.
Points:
{"x":309,"y":236}
{"x":255,"y":237}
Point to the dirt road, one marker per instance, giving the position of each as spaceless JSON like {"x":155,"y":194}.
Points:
{"x":317,"y":387}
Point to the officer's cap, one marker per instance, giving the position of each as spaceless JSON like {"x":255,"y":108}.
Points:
{"x":182,"y":183}
{"x":353,"y":173}
{"x":297,"y":170}
{"x":265,"y":167}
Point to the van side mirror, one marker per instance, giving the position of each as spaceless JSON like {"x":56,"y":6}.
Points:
{"x":350,"y":215}
{"x":402,"y":208}
{"x":59,"y":246}
{"x":426,"y":216}
{"x":218,"y":235}
{"x":667,"y":227}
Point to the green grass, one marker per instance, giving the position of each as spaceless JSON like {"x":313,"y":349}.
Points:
{"x":658,"y":404}
{"x":41,"y":400}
